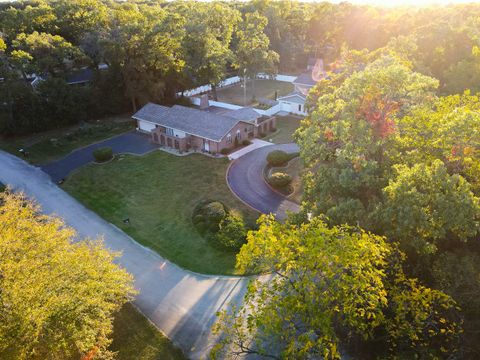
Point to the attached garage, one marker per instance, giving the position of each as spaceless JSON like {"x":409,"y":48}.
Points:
{"x":145,"y":126}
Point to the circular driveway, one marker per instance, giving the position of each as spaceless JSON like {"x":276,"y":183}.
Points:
{"x":245,"y":179}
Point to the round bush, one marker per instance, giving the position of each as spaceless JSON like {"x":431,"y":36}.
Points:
{"x":103,"y":154}
{"x":279,"y":179}
{"x":232,"y":231}
{"x":277,"y":158}
{"x":246,"y":142}
{"x":208,"y":215}
{"x":224,"y":151}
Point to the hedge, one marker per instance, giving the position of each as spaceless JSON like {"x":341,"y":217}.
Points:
{"x":278,"y":158}
{"x":103,"y":154}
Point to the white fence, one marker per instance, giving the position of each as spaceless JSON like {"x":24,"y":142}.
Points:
{"x":268,"y":112}
{"x":233,"y":80}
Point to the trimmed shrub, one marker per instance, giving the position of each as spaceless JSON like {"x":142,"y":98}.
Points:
{"x":103,"y":154}
{"x":279,"y":179}
{"x":246,"y":142}
{"x":277,"y":158}
{"x":232,"y":231}
{"x":208,"y":215}
{"x":224,"y":151}
{"x":262,"y":135}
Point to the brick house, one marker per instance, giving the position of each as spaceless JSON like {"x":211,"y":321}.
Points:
{"x":185,"y":128}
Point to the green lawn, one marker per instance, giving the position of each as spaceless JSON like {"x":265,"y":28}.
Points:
{"x":48,"y":146}
{"x":135,"y":338}
{"x":286,"y":126}
{"x":158,"y":192}
{"x":263,"y":89}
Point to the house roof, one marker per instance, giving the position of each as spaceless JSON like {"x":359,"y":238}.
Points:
{"x":245,"y":113}
{"x":192,"y":121}
{"x":81,"y":76}
{"x":294,"y":97}
{"x":305,"y":79}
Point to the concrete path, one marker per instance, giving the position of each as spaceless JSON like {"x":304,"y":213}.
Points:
{"x":256,"y":144}
{"x":182,"y":304}
{"x":132,"y":142}
{"x":245,"y":178}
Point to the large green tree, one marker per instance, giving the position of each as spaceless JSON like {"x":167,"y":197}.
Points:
{"x":347,"y":142}
{"x":57,"y":296}
{"x":207,"y":42}
{"x":252,"y":51}
{"x":332,"y":291}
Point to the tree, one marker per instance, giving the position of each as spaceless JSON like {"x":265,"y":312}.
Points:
{"x":58,"y":296}
{"x":348,"y":143}
{"x":450,"y":131}
{"x":332,"y":288}
{"x":424,"y":205}
{"x":48,"y":53}
{"x":207,"y":41}
{"x":252,"y":51}
{"x":144,"y":43}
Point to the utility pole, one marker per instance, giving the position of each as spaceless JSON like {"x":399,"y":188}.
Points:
{"x":244,"y":87}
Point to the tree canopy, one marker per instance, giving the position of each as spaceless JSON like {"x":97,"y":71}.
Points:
{"x":57,"y":296}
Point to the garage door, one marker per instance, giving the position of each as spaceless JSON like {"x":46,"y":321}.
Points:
{"x":145,"y":126}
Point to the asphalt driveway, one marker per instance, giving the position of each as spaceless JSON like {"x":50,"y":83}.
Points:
{"x":132,"y":143}
{"x":245,"y":178}
{"x":181,"y":303}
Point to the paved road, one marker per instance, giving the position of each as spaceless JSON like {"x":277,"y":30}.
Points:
{"x":245,"y":178}
{"x":182,"y":304}
{"x":132,"y":142}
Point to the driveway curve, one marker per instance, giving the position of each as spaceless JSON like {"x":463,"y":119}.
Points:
{"x":132,"y":142}
{"x":180,"y":303}
{"x":245,"y":178}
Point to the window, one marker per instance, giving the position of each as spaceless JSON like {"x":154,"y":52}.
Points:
{"x":229,"y":138}
{"x":299,"y":107}
{"x":169,"y":131}
{"x":239,"y":135}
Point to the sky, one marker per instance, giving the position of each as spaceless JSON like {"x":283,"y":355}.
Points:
{"x":405,"y":2}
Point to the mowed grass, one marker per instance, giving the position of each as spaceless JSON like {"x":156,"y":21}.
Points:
{"x":158,"y":192}
{"x":286,"y":126}
{"x":263,"y":89}
{"x":135,"y":338}
{"x":54,"y":144}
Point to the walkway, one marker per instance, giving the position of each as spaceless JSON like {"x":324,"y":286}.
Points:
{"x":182,"y":304}
{"x":256,"y":144}
{"x":245,"y":178}
{"x":131,"y":142}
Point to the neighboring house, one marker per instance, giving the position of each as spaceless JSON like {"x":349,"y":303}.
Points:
{"x":295,"y":101}
{"x":185,"y":128}
{"x":83,"y":76}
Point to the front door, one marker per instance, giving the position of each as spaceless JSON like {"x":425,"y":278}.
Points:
{"x":206,"y":145}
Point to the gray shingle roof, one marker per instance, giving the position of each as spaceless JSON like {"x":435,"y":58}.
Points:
{"x":305,"y":79}
{"x":245,"y":113}
{"x":295,"y":97}
{"x":192,"y":121}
